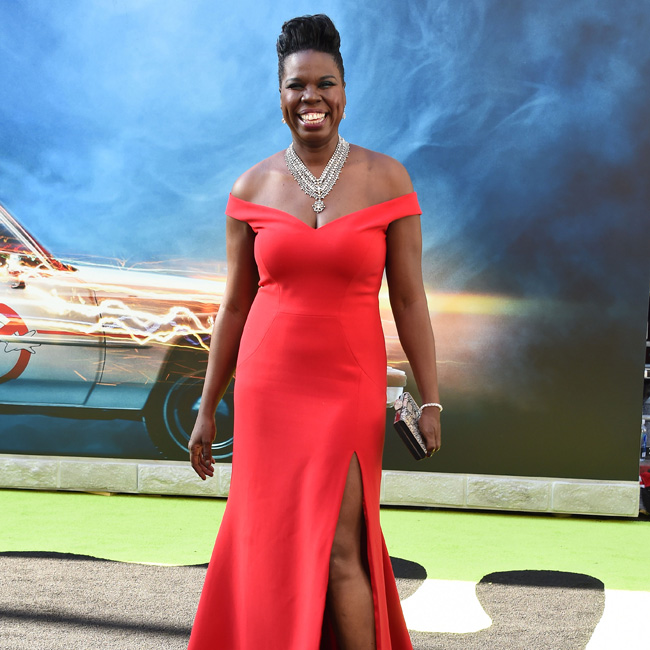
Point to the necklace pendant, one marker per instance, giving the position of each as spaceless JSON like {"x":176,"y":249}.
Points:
{"x":318,"y":206}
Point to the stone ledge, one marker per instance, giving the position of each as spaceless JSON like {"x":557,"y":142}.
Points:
{"x":177,"y":478}
{"x":29,"y":472}
{"x":225,"y":472}
{"x":98,"y":475}
{"x":508,"y":493}
{"x":515,"y":493}
{"x":595,"y":498}
{"x":423,"y":488}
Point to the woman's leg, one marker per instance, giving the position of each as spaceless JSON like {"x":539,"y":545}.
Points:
{"x":349,"y":594}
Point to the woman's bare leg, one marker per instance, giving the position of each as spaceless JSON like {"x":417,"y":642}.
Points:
{"x":349,"y":594}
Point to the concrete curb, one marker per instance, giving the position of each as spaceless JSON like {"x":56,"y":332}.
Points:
{"x":424,"y":489}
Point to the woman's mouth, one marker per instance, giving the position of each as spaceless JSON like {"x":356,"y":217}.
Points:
{"x":312,"y":119}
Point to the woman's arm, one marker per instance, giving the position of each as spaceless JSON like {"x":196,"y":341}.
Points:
{"x":241,"y":287}
{"x":409,"y":304}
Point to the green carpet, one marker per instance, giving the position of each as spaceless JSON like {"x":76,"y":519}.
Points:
{"x":451,"y":545}
{"x":456,"y":545}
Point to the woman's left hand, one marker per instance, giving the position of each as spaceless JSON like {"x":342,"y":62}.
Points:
{"x":429,"y":425}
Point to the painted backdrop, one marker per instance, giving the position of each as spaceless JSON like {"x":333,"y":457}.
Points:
{"x":523,"y":124}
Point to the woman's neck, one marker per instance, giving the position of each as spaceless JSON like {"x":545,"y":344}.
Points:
{"x":316,"y":156}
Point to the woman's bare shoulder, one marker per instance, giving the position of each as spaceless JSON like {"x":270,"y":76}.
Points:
{"x":250,"y":185}
{"x":386,"y":173}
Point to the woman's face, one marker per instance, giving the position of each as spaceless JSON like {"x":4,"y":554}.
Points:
{"x":312,"y":96}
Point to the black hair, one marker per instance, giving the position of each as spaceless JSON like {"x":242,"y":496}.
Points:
{"x":309,"y":33}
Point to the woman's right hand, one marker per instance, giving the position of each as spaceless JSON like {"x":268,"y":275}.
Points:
{"x":200,"y":446}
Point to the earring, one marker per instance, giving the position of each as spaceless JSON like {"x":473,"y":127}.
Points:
{"x":343,"y":113}
{"x":284,"y":121}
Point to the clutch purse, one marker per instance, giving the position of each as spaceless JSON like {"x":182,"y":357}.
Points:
{"x":407,"y":414}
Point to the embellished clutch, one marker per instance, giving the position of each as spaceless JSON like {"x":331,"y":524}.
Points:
{"x":407,"y":414}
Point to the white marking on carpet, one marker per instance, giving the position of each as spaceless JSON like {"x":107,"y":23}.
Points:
{"x":451,"y":606}
{"x":445,"y":606}
{"x":622,"y":624}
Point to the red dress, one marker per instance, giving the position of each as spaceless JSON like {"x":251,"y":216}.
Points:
{"x":310,"y":391}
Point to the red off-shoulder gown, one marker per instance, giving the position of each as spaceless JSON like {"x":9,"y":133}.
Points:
{"x":310,"y":391}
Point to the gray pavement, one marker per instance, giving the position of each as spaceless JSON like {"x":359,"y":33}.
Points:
{"x":65,"y":602}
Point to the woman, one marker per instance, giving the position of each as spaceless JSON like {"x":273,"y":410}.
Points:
{"x":300,"y":562}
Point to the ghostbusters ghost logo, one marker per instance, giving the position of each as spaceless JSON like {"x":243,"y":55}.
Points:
{"x":12,"y":325}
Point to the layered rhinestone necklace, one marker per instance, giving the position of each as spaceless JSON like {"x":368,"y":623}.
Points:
{"x":317,"y":188}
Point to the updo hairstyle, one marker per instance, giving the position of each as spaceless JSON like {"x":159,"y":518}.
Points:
{"x":309,"y":33}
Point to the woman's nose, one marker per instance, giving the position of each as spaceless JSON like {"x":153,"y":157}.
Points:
{"x":310,"y":93}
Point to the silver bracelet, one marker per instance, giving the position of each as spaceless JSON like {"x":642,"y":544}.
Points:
{"x":438,"y":406}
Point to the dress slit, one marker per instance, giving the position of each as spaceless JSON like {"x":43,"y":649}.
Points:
{"x":328,"y":638}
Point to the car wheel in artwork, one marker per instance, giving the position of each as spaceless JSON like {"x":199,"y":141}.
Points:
{"x":171,"y":411}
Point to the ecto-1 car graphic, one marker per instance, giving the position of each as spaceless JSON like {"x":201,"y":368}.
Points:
{"x":85,"y":338}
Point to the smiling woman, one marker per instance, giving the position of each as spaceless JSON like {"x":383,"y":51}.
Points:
{"x":300,"y":561}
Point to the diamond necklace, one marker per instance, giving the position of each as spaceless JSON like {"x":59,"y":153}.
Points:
{"x":317,"y":188}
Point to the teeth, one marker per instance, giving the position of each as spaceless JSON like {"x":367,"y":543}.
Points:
{"x":312,"y":117}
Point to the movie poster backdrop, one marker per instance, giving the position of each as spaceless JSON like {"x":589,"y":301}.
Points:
{"x":523,"y":125}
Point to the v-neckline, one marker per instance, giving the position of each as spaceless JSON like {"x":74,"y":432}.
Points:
{"x":306,"y":225}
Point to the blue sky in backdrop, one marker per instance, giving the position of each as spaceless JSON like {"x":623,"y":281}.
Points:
{"x":124,"y":123}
